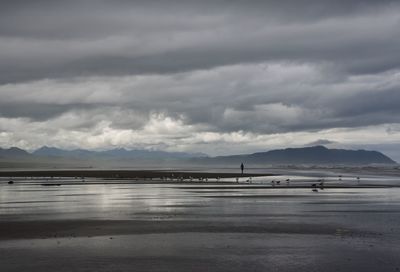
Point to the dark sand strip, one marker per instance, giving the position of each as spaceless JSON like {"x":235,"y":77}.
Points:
{"x":257,"y":196}
{"x":356,"y":211}
{"x":229,"y":185}
{"x":120,"y":174}
{"x":10,"y":230}
{"x":33,"y":202}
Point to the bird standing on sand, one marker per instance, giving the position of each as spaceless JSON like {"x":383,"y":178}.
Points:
{"x":314,"y":187}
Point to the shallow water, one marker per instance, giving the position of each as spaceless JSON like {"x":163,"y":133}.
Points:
{"x":203,"y":227}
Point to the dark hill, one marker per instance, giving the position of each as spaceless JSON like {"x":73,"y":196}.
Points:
{"x":317,"y":155}
{"x":310,"y":155}
{"x":113,"y":153}
{"x":13,"y":152}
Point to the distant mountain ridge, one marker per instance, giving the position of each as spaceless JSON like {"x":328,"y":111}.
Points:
{"x":13,"y":152}
{"x":56,"y":152}
{"x":316,"y":155}
{"x":118,"y":153}
{"x":310,"y":155}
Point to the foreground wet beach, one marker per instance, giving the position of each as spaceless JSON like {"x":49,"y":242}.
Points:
{"x":95,"y":224}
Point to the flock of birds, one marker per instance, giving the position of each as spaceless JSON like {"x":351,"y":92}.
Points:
{"x":319,"y":185}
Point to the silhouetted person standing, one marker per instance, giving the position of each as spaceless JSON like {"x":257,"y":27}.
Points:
{"x":242,"y":167}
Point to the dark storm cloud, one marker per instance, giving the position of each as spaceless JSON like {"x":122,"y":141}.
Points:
{"x":277,"y":99}
{"x":61,"y":39}
{"x":33,"y":111}
{"x":178,"y":69}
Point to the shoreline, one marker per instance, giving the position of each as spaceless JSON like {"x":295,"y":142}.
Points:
{"x":124,"y":174}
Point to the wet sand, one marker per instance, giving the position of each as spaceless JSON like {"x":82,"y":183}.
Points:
{"x":133,"y":226}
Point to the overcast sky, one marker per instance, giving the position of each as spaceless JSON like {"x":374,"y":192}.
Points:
{"x":219,"y":77}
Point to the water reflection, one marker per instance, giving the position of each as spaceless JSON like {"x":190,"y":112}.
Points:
{"x":245,"y":224}
{"x":28,"y":200}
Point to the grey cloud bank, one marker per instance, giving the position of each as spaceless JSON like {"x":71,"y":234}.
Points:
{"x":215,"y":76}
{"x":75,"y":38}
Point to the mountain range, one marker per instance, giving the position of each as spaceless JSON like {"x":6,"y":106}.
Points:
{"x":310,"y":155}
{"x":116,"y":153}
{"x":13,"y":152}
{"x":316,"y":155}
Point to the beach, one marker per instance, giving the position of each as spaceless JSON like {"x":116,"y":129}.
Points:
{"x":60,"y":223}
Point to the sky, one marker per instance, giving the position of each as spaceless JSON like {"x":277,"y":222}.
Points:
{"x":219,"y":77}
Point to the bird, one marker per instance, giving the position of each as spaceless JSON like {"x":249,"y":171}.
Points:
{"x":11,"y":182}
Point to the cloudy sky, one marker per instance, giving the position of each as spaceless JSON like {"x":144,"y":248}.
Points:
{"x":219,"y":77}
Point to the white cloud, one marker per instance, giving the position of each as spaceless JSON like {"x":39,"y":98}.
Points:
{"x":229,"y":109}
